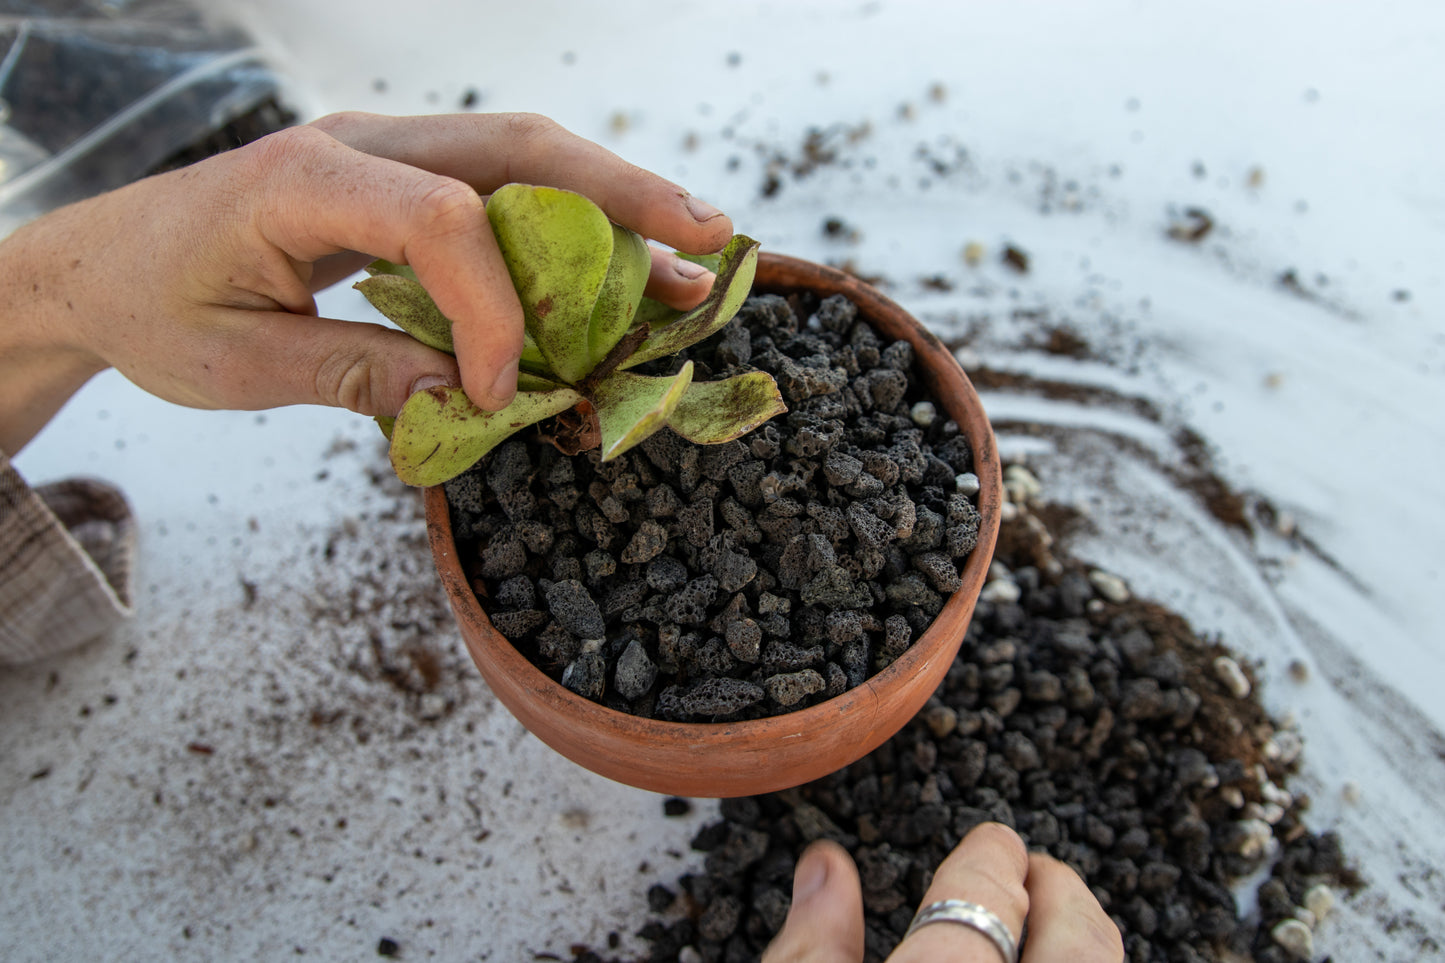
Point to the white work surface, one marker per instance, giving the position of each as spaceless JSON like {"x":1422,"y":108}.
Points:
{"x":235,"y":776}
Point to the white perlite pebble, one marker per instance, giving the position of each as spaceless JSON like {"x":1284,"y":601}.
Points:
{"x":1021,"y":484}
{"x":1271,"y":813}
{"x":923,"y":414}
{"x":1109,"y":585}
{"x":967,"y":483}
{"x":1319,"y":900}
{"x":1255,"y":837}
{"x":1000,"y":590}
{"x":1291,"y":745}
{"x":1227,"y":670}
{"x":1275,"y":794}
{"x":1295,"y":938}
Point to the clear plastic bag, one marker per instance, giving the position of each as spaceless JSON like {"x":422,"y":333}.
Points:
{"x":96,"y":93}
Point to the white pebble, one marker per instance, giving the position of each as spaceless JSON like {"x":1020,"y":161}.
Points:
{"x":1227,"y":670}
{"x":1270,"y":813}
{"x":1319,"y":900}
{"x":1233,"y":797}
{"x":967,"y":483}
{"x":997,"y":570}
{"x":1284,"y":746}
{"x":1350,"y":792}
{"x":1256,"y":837}
{"x":1021,"y":484}
{"x":1295,"y":938}
{"x":1304,"y":916}
{"x":1110,"y":586}
{"x":1000,"y":590}
{"x":923,"y":414}
{"x":1008,"y":511}
{"x":1274,"y":794}
{"x":968,"y":359}
{"x":689,"y":954}
{"x":432,"y":706}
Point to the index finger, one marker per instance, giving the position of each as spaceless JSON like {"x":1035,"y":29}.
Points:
{"x":489,"y":150}
{"x":312,"y":196}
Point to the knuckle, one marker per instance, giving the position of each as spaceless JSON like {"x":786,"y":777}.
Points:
{"x":528,"y":127}
{"x":337,"y":124}
{"x":283,"y":150}
{"x":447,"y":207}
{"x":348,"y":381}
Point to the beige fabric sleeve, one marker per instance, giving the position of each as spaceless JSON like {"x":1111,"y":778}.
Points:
{"x":66,"y":552}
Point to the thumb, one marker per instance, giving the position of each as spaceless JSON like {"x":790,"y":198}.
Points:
{"x":274,"y":359}
{"x":825,"y":922}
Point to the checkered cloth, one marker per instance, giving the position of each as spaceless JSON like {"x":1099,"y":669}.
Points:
{"x":65,"y":564}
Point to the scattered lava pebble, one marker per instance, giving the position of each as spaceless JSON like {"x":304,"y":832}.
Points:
{"x":1095,"y":728}
{"x":734,"y":581}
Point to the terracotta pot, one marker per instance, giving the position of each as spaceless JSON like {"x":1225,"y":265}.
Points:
{"x":763,"y":755}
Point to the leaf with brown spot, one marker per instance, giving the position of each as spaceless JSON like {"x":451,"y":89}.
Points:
{"x":439,"y":433}
{"x":712,"y":412}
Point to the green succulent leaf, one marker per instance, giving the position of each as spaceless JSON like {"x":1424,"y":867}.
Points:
{"x":439,"y":433}
{"x":410,"y":308}
{"x":630,"y":407}
{"x":621,"y":293}
{"x":558,"y":248}
{"x":383,"y":266}
{"x":655,"y":314}
{"x":734,"y":280}
{"x":712,"y":412}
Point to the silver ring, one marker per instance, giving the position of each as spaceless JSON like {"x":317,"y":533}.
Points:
{"x":973,"y":916}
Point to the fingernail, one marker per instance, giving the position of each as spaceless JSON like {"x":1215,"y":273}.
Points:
{"x":506,"y":384}
{"x":811,"y":876}
{"x":688,"y":269}
{"x":427,"y":381}
{"x":701,"y":210}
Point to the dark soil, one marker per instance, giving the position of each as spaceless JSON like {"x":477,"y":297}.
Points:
{"x":1098,"y":730}
{"x":733,"y":581}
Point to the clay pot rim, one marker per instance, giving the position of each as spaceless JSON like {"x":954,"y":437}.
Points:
{"x":860,"y":700}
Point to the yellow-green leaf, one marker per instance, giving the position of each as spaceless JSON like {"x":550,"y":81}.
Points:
{"x":439,"y":433}
{"x":621,"y":293}
{"x":406,"y":303}
{"x":630,"y":407}
{"x":712,"y":412}
{"x":734,"y":281}
{"x":383,"y":266}
{"x":557,"y":246}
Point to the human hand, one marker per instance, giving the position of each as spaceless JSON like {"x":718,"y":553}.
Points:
{"x":197,"y":284}
{"x":991,"y":868}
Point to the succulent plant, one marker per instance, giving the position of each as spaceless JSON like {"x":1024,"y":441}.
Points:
{"x":580,"y":279}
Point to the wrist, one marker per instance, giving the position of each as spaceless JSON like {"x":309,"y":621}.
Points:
{"x":43,"y":357}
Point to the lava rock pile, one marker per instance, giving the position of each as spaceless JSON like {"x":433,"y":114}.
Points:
{"x":1102,"y":729}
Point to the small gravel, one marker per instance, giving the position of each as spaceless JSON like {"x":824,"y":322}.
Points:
{"x":738,"y":580}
